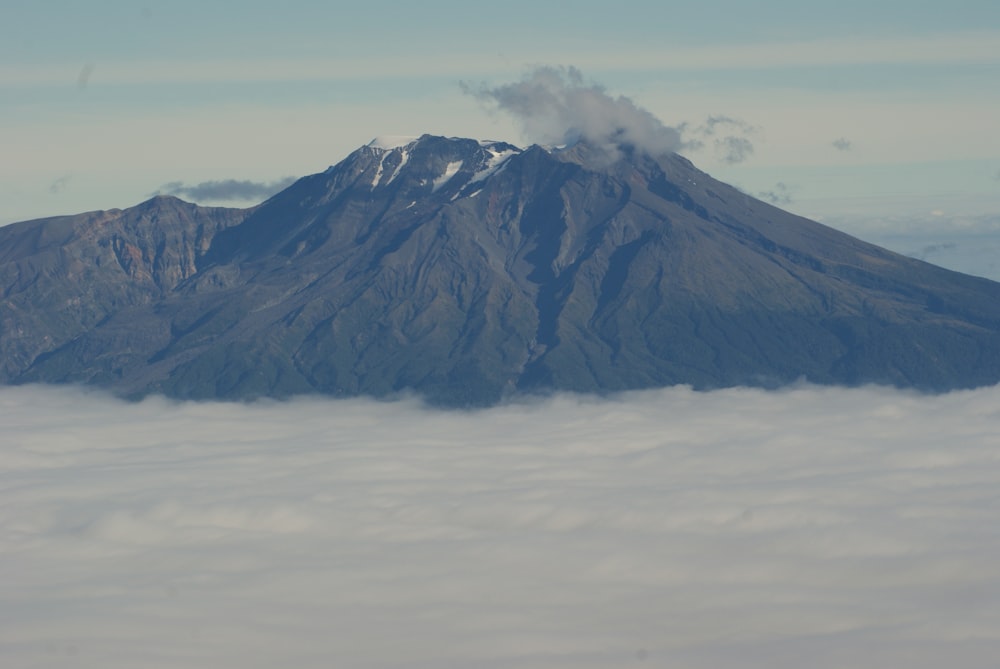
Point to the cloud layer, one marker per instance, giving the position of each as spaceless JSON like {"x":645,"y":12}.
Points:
{"x":226,"y":189}
{"x":555,"y":106}
{"x":808,"y":527}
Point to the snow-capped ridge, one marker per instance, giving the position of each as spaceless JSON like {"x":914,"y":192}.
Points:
{"x":467,"y":166}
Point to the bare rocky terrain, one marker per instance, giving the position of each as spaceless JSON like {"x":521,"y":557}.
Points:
{"x":467,"y":271}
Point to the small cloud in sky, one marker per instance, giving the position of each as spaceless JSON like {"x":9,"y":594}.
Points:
{"x":556,"y":106}
{"x":60,"y":184}
{"x":932,"y":249}
{"x":227,"y":189}
{"x":997,"y":175}
{"x":83,"y":78}
{"x":842,"y":144}
{"x":781,"y":194}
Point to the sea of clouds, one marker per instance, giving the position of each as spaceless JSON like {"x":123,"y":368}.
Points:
{"x":809,"y":527}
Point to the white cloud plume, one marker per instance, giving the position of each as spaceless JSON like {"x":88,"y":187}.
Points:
{"x":555,"y":106}
{"x":812,"y":526}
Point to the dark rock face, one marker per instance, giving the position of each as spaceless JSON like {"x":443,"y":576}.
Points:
{"x":467,"y":271}
{"x":66,"y":279}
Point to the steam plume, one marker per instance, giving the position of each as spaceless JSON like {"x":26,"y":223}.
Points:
{"x":555,"y":106}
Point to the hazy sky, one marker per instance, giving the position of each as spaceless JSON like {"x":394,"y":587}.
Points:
{"x":103,"y":103}
{"x":811,"y":527}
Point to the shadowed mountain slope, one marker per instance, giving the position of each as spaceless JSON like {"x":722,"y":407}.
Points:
{"x":468,"y":270}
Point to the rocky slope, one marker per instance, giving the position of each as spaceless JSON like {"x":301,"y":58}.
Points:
{"x":469,"y":270}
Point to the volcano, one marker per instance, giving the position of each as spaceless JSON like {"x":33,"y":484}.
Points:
{"x":469,"y":271}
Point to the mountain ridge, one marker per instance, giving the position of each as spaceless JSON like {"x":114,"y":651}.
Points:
{"x":468,"y":270}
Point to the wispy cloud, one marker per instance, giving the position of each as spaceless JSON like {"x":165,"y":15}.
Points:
{"x":842,"y":144}
{"x":735,"y":528}
{"x":977,"y":47}
{"x":227,"y":189}
{"x":60,"y":184}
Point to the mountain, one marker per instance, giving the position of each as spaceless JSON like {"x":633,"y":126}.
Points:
{"x":467,"y":270}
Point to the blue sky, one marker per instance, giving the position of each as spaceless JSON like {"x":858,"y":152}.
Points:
{"x":102,"y":103}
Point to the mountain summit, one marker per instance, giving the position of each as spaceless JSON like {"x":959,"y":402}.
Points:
{"x":467,"y":270}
